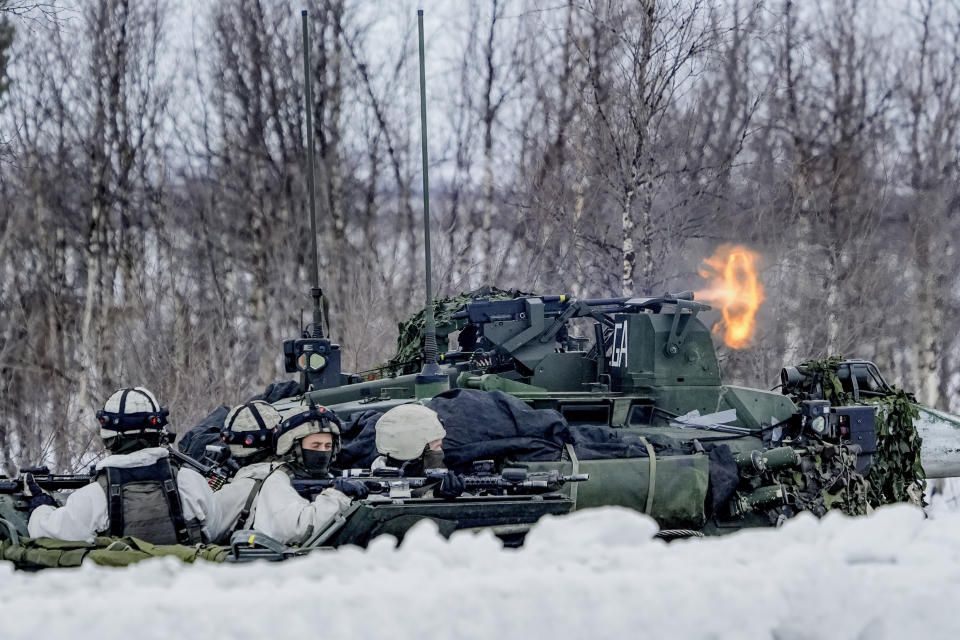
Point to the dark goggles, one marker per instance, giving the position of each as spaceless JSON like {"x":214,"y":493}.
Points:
{"x":133,"y":421}
{"x":259,"y":439}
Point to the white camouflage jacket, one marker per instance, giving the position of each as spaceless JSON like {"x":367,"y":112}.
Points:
{"x":84,"y":515}
{"x":284,"y":515}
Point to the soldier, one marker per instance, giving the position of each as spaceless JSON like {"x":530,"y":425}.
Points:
{"x":306,"y":443}
{"x":249,"y":432}
{"x":139,"y":490}
{"x":410,"y":437}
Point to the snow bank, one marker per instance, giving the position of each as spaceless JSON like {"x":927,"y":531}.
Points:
{"x":593,"y":574}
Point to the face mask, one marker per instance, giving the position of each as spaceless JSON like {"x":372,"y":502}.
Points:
{"x":433,"y":459}
{"x":316,"y":462}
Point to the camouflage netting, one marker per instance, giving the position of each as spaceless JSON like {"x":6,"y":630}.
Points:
{"x":409,"y":356}
{"x":43,"y":553}
{"x":896,"y":474}
{"x":827,"y":479}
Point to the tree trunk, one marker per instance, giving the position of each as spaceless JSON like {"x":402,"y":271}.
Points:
{"x":486,"y":220}
{"x":930,"y":316}
{"x":629,"y":255}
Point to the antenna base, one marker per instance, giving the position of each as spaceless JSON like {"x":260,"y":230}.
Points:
{"x":317,"y":323}
{"x":431,"y":381}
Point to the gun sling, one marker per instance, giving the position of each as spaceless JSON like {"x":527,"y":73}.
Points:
{"x":247,"y":506}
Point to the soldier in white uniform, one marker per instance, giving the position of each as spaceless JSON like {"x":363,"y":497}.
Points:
{"x":139,"y":490}
{"x":410,"y":438}
{"x":307,"y":442}
{"x":249,"y":431}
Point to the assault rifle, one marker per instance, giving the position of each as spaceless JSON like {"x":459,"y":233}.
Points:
{"x":217,"y":466}
{"x":47,"y":481}
{"x":392,"y":482}
{"x":309,"y":487}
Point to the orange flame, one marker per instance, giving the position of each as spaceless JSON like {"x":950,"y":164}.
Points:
{"x":735,"y":289}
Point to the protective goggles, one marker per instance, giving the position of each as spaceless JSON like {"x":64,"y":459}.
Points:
{"x":133,"y":421}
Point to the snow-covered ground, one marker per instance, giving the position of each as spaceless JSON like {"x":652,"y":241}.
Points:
{"x":593,"y":574}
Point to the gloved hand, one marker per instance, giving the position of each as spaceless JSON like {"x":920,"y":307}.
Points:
{"x":36,"y":494}
{"x":453,"y":485}
{"x":353,"y":488}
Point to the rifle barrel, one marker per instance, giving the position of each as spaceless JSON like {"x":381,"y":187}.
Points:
{"x":50,"y":482}
{"x":190,"y":461}
{"x":518,"y":481}
{"x":216,"y":478}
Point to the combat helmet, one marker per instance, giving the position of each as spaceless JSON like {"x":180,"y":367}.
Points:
{"x":306,"y":421}
{"x":132,"y":419}
{"x":404,"y":431}
{"x":249,"y":431}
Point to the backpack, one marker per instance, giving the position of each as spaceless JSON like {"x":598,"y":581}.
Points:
{"x":145,"y":502}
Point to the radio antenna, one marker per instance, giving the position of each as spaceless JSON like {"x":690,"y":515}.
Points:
{"x":311,"y":354}
{"x":315,"y":291}
{"x":431,"y":379}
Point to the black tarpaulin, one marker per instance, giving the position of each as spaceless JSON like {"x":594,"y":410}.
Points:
{"x":724,"y":476}
{"x":484,"y":425}
{"x":599,"y":442}
{"x":194,"y":442}
{"x":358,"y":446}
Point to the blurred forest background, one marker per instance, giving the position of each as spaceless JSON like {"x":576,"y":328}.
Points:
{"x":153,"y":226}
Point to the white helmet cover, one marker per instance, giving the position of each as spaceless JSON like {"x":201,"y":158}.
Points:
{"x":298,"y":426}
{"x":252,"y":416}
{"x":131,"y":409}
{"x":404,"y":431}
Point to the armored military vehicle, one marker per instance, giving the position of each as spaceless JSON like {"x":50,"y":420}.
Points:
{"x":644,"y":410}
